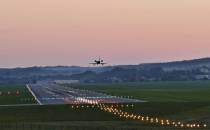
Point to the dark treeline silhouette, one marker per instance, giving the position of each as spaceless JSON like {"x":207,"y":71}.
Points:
{"x":198,"y":69}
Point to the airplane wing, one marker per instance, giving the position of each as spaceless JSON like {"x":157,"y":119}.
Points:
{"x":92,"y":63}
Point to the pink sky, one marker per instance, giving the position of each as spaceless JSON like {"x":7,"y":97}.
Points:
{"x":74,"y":32}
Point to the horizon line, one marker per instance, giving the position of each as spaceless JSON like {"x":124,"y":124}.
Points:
{"x":43,"y":66}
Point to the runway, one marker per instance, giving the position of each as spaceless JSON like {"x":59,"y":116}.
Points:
{"x":50,"y":93}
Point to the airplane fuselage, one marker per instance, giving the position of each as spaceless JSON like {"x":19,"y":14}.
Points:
{"x":97,"y":62}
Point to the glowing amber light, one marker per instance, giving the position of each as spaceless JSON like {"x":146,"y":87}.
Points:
{"x":115,"y":111}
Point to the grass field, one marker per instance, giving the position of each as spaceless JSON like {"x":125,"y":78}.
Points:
{"x":185,"y":101}
{"x":79,"y":118}
{"x":15,"y":95}
{"x":178,"y":91}
{"x":51,"y":113}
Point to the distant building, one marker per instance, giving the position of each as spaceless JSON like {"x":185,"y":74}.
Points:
{"x":66,"y":81}
{"x":201,"y":77}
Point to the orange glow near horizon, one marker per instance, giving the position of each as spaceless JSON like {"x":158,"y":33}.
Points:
{"x":74,"y":32}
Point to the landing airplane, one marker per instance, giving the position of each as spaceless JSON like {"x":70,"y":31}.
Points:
{"x":98,"y":62}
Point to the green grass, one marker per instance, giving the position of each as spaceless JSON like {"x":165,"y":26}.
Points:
{"x":183,"y":100}
{"x":67,"y":113}
{"x":186,"y":101}
{"x":85,"y":125}
{"x":52,"y":113}
{"x":24,"y":96}
{"x":186,"y":91}
{"x":64,"y":115}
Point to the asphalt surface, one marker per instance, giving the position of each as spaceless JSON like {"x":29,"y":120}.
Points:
{"x":50,"y":93}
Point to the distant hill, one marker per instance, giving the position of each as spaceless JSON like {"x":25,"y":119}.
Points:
{"x":181,"y":65}
{"x":31,"y":74}
{"x":197,"y":69}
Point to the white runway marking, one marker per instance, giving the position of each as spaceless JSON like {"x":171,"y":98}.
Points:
{"x":27,"y":86}
{"x":51,"y":93}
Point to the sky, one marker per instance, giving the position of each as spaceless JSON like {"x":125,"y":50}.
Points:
{"x":74,"y":32}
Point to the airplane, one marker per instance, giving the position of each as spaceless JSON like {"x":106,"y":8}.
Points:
{"x":98,"y":62}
